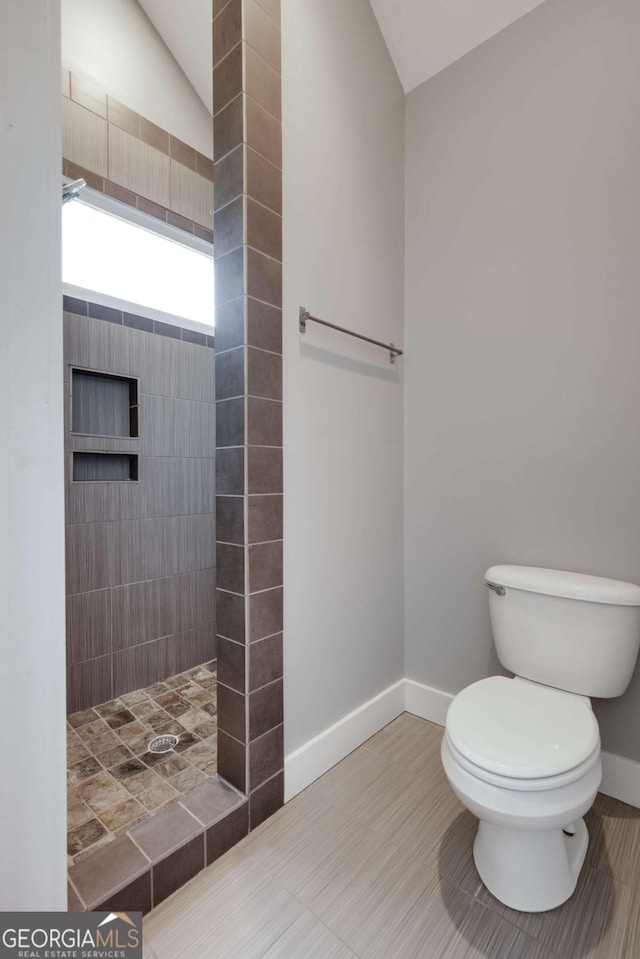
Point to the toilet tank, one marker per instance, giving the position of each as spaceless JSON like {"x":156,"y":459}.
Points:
{"x":568,"y":630}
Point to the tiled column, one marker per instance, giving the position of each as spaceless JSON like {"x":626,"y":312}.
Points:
{"x":248,"y":272}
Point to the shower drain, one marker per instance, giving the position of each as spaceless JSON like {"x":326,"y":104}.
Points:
{"x":163,"y":744}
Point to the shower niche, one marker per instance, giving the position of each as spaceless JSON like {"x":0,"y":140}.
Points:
{"x":103,"y":404}
{"x":105,"y":467}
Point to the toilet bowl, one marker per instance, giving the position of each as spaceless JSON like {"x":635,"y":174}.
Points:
{"x":521,"y":851}
{"x":523,"y":753}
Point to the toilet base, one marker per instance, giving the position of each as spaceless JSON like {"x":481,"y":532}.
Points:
{"x":531,"y":871}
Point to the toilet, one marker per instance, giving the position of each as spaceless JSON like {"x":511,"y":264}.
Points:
{"x":523,"y":753}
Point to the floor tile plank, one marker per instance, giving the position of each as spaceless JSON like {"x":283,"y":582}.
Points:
{"x":375,"y":861}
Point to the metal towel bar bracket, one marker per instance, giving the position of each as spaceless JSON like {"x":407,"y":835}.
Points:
{"x":305,"y":317}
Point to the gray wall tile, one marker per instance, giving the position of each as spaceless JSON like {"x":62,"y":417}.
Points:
{"x":272,"y":7}
{"x":90,"y":557}
{"x":265,"y":661}
{"x":176,"y":869}
{"x":265,"y":614}
{"x":230,"y":615}
{"x":196,"y":598}
{"x":230,"y":325}
{"x":264,"y":470}
{"x":265,"y":709}
{"x":231,"y":716}
{"x":264,"y":229}
{"x":261,"y":82}
{"x":195,"y":646}
{"x":141,"y":556}
{"x":265,"y":757}
{"x":89,"y":683}
{"x":264,"y":278}
{"x":230,"y":422}
{"x":231,"y":664}
{"x":231,"y":766}
{"x":227,"y":79}
{"x":265,"y":566}
{"x":264,"y":132}
{"x":230,"y":375}
{"x":144,"y":665}
{"x":230,"y":567}
{"x":266,"y":800}
{"x":264,"y":326}
{"x":262,"y":33}
{"x":88,"y":625}
{"x":228,"y":225}
{"x":229,"y":173}
{"x":230,"y":519}
{"x":146,"y":549}
{"x":264,"y":422}
{"x":230,"y":471}
{"x":228,"y":132}
{"x":264,"y":374}
{"x":144,"y":611}
{"x":264,"y":518}
{"x":196,"y":542}
{"x":228,"y":831}
{"x":229,"y":276}
{"x":196,"y":373}
{"x":249,"y":407}
{"x":263,"y":181}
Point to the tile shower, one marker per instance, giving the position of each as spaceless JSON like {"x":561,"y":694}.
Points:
{"x":140,"y":503}
{"x":139,"y":863}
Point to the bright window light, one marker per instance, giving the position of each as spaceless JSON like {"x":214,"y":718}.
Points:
{"x":106,"y":254}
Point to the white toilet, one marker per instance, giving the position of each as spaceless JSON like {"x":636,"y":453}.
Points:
{"x":523,"y":754}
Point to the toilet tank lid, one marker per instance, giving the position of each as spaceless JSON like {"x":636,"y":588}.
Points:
{"x":559,"y":582}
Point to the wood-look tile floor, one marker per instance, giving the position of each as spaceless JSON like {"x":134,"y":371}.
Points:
{"x":113,"y":781}
{"x":374,"y":861}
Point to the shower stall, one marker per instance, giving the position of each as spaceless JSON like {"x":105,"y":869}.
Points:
{"x":140,"y":567}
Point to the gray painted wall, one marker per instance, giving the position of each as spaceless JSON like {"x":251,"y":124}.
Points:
{"x":343,"y":206}
{"x":522,"y":329}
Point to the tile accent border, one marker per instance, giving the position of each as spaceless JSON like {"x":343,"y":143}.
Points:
{"x":248,"y":272}
{"x":102,"y":185}
{"x":71,"y":304}
{"x":127,"y":157}
{"x":620,"y":776}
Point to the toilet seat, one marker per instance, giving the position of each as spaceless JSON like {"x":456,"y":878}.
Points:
{"x":525,"y":785}
{"x":522,"y":735}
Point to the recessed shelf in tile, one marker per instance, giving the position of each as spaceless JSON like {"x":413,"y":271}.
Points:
{"x":105,"y":467}
{"x":103,"y":404}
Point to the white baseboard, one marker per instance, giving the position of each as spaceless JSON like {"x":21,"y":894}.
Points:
{"x":620,"y":776}
{"x":310,"y":761}
{"x":426,"y":702}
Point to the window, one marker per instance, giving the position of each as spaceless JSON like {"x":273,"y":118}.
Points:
{"x":104,"y":253}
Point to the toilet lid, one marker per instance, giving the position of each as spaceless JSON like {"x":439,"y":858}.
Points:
{"x":520,"y":729}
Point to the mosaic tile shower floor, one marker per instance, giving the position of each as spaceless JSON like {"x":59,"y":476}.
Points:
{"x":113,"y":781}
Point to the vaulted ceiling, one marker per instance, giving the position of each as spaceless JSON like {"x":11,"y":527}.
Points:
{"x":423,"y":36}
{"x":186,"y":29}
